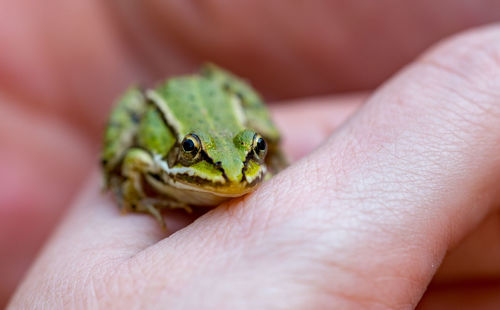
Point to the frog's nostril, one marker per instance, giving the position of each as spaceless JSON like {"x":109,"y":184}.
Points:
{"x":218,"y":164}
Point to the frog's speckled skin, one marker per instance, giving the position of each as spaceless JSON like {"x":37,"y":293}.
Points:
{"x":143,"y":159}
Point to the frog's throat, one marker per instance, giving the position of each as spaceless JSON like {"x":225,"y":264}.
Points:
{"x":187,"y":178}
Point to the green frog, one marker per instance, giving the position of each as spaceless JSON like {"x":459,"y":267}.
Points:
{"x":193,"y":141}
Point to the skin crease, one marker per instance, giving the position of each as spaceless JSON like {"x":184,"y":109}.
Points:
{"x":56,"y":88}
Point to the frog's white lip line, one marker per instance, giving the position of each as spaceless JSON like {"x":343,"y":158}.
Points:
{"x":191,"y":172}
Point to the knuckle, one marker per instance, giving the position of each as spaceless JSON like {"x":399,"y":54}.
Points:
{"x":466,"y":67}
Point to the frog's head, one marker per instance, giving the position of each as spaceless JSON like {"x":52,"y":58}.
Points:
{"x":223,"y":164}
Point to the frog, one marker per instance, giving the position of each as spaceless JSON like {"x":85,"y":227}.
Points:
{"x":193,"y":141}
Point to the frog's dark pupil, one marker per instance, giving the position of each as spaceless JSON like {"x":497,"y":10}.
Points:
{"x":188,"y":145}
{"x":261,"y":145}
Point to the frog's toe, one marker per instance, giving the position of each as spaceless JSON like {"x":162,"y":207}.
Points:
{"x":156,"y":214}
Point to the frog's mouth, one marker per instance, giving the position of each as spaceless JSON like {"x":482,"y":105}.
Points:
{"x":191,"y":179}
{"x":224,"y":190}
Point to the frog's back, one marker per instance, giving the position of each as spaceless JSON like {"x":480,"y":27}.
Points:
{"x":197,"y":104}
{"x":256,"y":113}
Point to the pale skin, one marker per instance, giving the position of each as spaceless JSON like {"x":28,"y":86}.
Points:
{"x":364,"y":221}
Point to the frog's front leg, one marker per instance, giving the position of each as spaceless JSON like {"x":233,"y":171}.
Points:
{"x":136,"y":165}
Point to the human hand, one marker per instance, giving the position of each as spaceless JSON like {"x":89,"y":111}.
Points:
{"x":261,"y":229}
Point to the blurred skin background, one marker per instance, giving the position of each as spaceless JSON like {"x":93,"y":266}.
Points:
{"x":62,"y":63}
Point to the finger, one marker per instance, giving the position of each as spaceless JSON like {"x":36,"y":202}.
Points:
{"x":297,"y":49}
{"x":46,"y":69}
{"x":367,"y":219}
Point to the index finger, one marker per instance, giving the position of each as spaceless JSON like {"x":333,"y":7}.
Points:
{"x":367,"y":218}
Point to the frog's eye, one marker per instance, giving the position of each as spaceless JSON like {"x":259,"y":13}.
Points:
{"x":259,"y":146}
{"x":191,"y":146}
